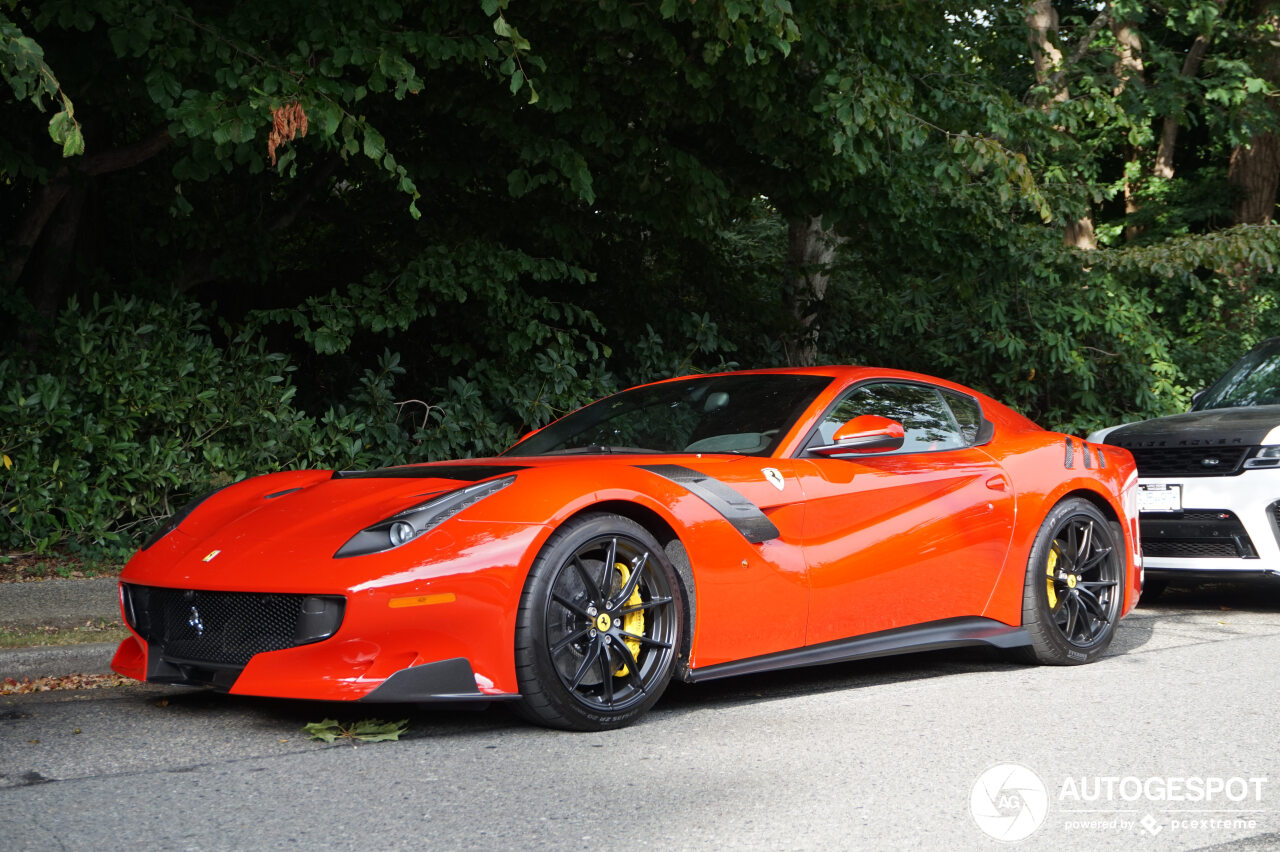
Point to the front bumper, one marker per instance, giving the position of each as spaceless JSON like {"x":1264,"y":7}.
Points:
{"x":1229,"y":525}
{"x":271,"y":627}
{"x":451,"y":680}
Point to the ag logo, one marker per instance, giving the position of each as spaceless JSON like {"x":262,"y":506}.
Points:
{"x":775,"y":477}
{"x":1009,"y":802}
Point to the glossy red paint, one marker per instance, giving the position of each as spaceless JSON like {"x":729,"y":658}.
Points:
{"x":865,"y":543}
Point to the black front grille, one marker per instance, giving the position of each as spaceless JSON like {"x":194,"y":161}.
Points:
{"x":1189,"y":461}
{"x":1191,"y":549}
{"x":228,"y":628}
{"x":1203,"y":534}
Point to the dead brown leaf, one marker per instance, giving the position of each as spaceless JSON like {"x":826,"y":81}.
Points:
{"x":12,"y":686}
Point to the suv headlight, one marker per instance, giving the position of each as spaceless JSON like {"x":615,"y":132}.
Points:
{"x":1264,"y":457}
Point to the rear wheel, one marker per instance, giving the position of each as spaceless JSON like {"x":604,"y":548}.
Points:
{"x":598,"y":628}
{"x":1074,"y":589}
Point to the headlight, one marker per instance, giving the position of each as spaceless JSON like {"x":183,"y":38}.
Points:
{"x":405,"y":526}
{"x":1264,"y":457}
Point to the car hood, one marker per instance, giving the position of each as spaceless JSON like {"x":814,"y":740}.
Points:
{"x":283,"y":523}
{"x":1249,"y":426}
{"x":283,"y":530}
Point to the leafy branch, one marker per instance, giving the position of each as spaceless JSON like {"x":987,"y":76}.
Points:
{"x":23,"y":67}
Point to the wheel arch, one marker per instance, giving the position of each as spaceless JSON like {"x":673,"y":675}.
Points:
{"x":1086,"y":490}
{"x":1132,"y":587}
{"x":1006,"y":600}
{"x":673,"y":546}
{"x":1102,"y":504}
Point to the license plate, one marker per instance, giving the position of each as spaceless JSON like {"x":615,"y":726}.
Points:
{"x":1159,"y":498}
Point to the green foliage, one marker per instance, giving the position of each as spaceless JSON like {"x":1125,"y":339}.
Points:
{"x":132,"y":407}
{"x":23,"y":67}
{"x":366,"y":730}
{"x":595,"y":199}
{"x":1075,"y":344}
{"x":130,"y":410}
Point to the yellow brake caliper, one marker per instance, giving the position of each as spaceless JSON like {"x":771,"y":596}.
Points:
{"x":632,"y":622}
{"x":1049,"y":570}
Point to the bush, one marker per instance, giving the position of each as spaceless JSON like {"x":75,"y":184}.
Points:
{"x":132,"y":407}
{"x":125,"y":412}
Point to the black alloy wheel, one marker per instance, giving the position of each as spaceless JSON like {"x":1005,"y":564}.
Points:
{"x":1074,"y":585}
{"x":599,"y":626}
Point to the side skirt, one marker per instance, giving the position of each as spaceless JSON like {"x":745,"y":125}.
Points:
{"x":934,"y":636}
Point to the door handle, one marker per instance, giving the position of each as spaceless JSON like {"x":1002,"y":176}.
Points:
{"x":998,"y":483}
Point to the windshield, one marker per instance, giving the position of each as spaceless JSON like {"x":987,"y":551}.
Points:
{"x":742,"y":414}
{"x":1253,"y":380}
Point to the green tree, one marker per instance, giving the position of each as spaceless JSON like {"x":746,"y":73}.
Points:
{"x":458,"y":219}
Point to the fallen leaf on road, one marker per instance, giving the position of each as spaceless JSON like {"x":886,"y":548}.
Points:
{"x":11,"y":686}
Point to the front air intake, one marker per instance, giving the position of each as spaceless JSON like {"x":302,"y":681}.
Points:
{"x":228,"y":628}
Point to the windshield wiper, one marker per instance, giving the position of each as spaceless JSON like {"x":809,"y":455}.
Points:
{"x":599,"y":449}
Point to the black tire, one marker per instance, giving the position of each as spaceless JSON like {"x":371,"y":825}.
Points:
{"x":1075,"y":585}
{"x":596,"y":647}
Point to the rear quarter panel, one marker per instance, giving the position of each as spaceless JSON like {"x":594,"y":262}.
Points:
{"x":1044,"y":473}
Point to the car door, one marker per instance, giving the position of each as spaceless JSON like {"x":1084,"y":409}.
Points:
{"x":909,"y":535}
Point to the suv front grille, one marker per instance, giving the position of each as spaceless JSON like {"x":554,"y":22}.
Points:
{"x":1200,"y":534}
{"x":1191,"y":549}
{"x":1189,"y":461}
{"x":228,"y":628}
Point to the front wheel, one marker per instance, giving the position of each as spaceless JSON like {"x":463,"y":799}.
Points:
{"x":598,"y":629}
{"x":1074,"y":587}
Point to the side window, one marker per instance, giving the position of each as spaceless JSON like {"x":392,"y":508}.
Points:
{"x":925,"y":417}
{"x":968,"y":414}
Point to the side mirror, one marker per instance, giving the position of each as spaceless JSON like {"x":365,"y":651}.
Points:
{"x":869,"y":433}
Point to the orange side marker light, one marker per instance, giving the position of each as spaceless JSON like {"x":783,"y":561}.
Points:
{"x":422,"y":600}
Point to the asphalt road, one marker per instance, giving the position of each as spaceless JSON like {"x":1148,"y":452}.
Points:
{"x":1176,"y":726}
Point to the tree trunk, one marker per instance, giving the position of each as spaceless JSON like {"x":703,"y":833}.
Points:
{"x":45,"y":291}
{"x":1255,"y":173}
{"x":1169,"y":132}
{"x":1129,"y":67}
{"x":810,"y":252}
{"x":1080,"y":234}
{"x":1255,"y":167}
{"x":1051,"y":72}
{"x":60,"y":251}
{"x":1042,"y":26}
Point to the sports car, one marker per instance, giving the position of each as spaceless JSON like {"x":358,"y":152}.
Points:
{"x":693,"y":528}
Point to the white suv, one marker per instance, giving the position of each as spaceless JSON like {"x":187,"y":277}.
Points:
{"x":1209,"y":480}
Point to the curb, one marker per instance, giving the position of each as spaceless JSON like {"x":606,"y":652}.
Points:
{"x":57,"y":660}
{"x":57,"y":603}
